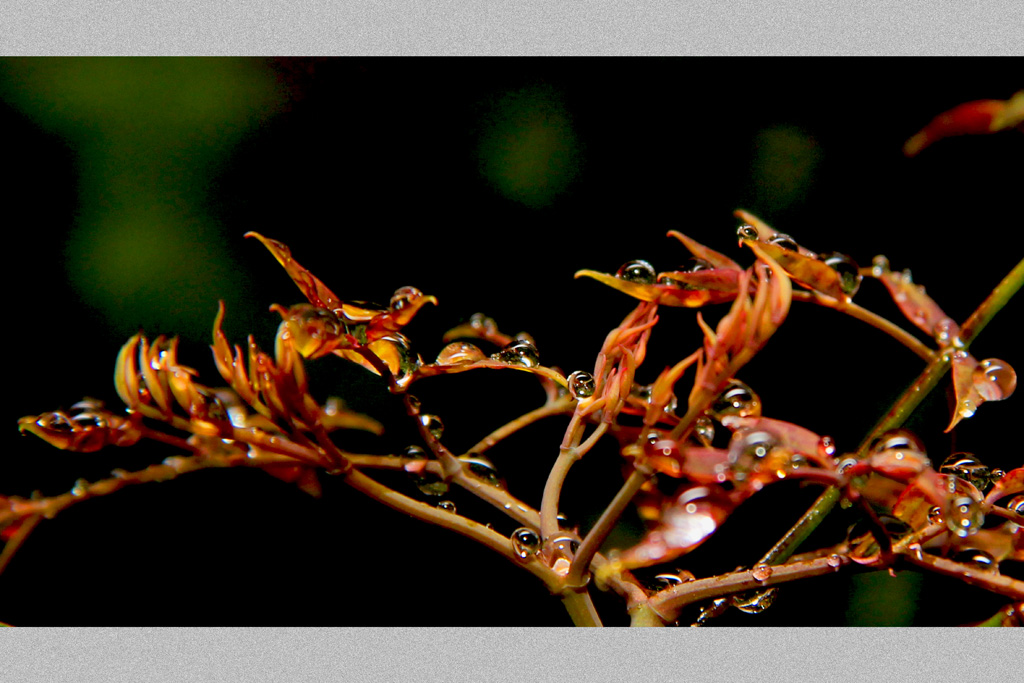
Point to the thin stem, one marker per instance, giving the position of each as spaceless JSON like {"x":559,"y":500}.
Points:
{"x":669,"y":602}
{"x":457,"y":523}
{"x":555,"y":408}
{"x":605,"y":523}
{"x":580,"y":607}
{"x":17,"y":539}
{"x":864,"y":315}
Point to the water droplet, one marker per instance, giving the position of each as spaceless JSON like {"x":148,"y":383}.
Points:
{"x":414,"y":452}
{"x":761,"y":572}
{"x":662,"y":581}
{"x":826,"y":446}
{"x":906,"y":276}
{"x":748,"y":447}
{"x":581,"y":384}
{"x":945,"y":330}
{"x":994,"y":379}
{"x":976,"y":558}
{"x":460,"y":353}
{"x":414,"y":404}
{"x":879,"y":266}
{"x":563,"y":521}
{"x":482,"y":468}
{"x":746,"y":232}
{"x":963,"y":515}
{"x":429,"y":484}
{"x":834,"y":560}
{"x":846,"y":268}
{"x":783,"y":240}
{"x":433,"y":424}
{"x":637,"y":271}
{"x":704,"y":428}
{"x":118,"y":473}
{"x":896,"y":440}
{"x":935,"y":515}
{"x":519,"y":352}
{"x":447,"y":506}
{"x":403,"y":297}
{"x":80,"y":488}
{"x":755,"y":602}
{"x":737,"y":399}
{"x":525,"y":543}
{"x":845,"y":464}
{"x":967,"y":408}
{"x":567,"y":545}
{"x":1016,"y":504}
{"x":968,"y":467}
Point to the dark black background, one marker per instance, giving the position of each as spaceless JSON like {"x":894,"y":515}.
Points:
{"x":371,"y":176}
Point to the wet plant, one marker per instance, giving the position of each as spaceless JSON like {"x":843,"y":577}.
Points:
{"x":695,"y":443}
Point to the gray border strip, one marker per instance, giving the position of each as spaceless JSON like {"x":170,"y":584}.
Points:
{"x":512,"y":27}
{"x":297,"y":655}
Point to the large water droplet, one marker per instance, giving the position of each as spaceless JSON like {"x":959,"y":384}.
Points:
{"x":962,"y":512}
{"x":748,"y":447}
{"x":433,"y":424}
{"x":482,"y":468}
{"x":977,"y":558}
{"x":968,"y":467}
{"x":783,"y":240}
{"x":460,"y":353}
{"x":994,"y":379}
{"x":637,"y":271}
{"x":755,"y":602}
{"x":1016,"y":504}
{"x":898,"y":439}
{"x":581,"y":384}
{"x":846,"y":268}
{"x":746,"y":232}
{"x":737,"y":399}
{"x":525,"y":543}
{"x":704,"y":429}
{"x":519,"y":352}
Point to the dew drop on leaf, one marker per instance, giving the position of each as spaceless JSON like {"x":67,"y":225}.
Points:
{"x":460,"y":353}
{"x":737,"y":399}
{"x":704,"y":428}
{"x":847,"y":270}
{"x":783,"y":240}
{"x":746,"y":232}
{"x":637,"y":271}
{"x":519,"y":352}
{"x":581,"y":384}
{"x":994,"y":379}
{"x":968,"y":467}
{"x":525,"y":543}
{"x":963,"y":516}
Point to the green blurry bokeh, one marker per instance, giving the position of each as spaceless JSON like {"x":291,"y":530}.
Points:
{"x":148,"y":137}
